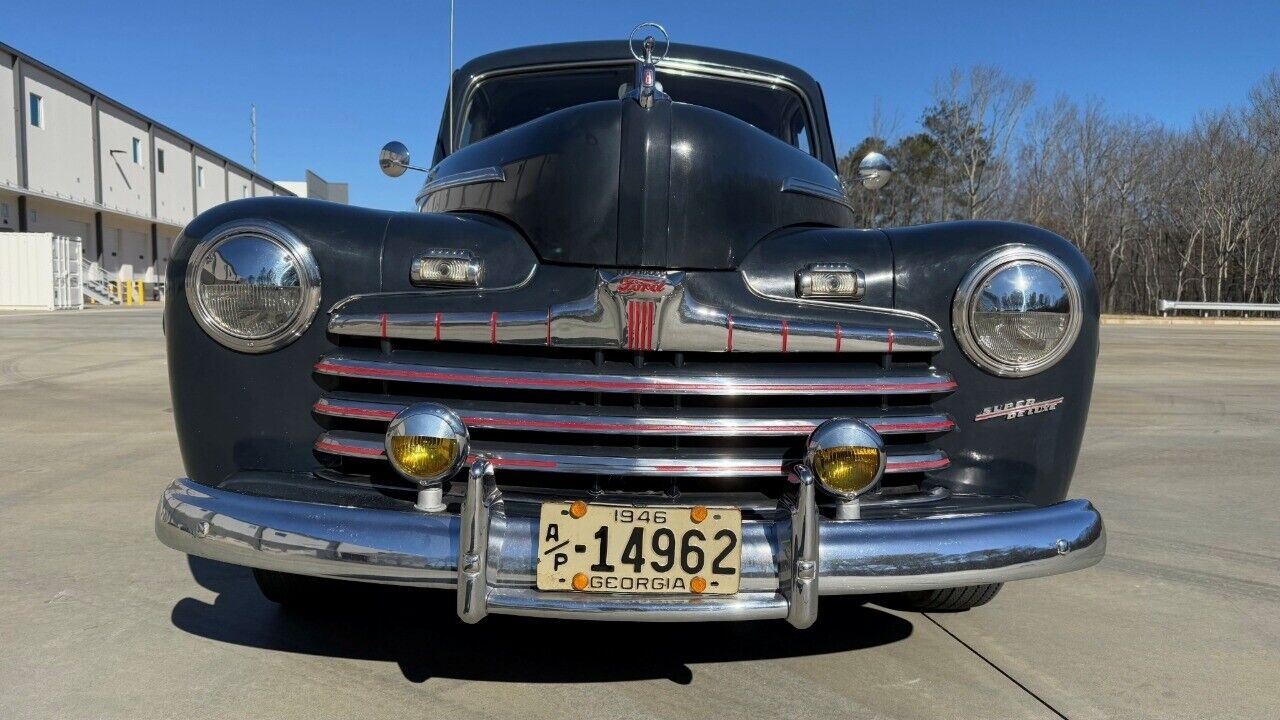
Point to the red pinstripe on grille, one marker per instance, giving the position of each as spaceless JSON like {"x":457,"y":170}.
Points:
{"x":339,"y":449}
{"x":839,"y":337}
{"x":356,"y":412}
{"x":784,"y":336}
{"x":384,"y":326}
{"x":338,"y":408}
{"x":493,"y":328}
{"x":438,"y":326}
{"x":919,"y":465}
{"x":912,"y":426}
{"x":606,"y":384}
{"x":514,"y":463}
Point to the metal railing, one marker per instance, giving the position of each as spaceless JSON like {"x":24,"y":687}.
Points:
{"x":96,"y":284}
{"x":1235,"y":307}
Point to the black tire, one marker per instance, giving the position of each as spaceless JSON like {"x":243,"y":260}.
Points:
{"x":945,"y":600}
{"x":292,"y":591}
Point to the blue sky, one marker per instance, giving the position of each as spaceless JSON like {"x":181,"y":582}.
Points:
{"x":335,"y":80}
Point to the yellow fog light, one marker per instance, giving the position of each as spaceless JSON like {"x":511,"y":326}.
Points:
{"x":847,"y":457}
{"x":426,"y":443}
{"x":419,"y":457}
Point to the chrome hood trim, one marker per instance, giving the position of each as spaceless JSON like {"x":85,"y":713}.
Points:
{"x":640,"y":310}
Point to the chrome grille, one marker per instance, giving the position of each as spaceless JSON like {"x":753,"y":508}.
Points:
{"x":566,"y":413}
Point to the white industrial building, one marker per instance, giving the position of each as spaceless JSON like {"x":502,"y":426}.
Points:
{"x":317,"y":188}
{"x":75,"y":163}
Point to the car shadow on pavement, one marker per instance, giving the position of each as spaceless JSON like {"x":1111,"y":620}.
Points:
{"x":419,"y":630}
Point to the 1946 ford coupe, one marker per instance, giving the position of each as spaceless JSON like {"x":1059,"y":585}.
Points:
{"x":629,"y":360}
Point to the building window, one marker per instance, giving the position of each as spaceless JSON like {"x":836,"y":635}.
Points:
{"x":159,"y":160}
{"x":199,"y":176}
{"x":37,"y":111}
{"x":137,"y":151}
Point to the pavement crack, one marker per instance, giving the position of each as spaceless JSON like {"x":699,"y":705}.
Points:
{"x":996,"y":667}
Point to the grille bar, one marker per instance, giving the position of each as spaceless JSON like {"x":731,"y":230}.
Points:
{"x":712,"y":426}
{"x":655,"y":381}
{"x":754,"y":464}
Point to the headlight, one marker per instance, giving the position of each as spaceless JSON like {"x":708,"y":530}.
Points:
{"x":253,"y":287}
{"x":1017,"y":312}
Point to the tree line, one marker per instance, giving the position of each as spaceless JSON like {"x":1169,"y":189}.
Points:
{"x":1161,"y":214}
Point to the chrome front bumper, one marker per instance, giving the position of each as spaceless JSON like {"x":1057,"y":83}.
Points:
{"x":490,"y":558}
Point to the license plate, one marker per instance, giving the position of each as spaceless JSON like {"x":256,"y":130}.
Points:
{"x":639,"y":549}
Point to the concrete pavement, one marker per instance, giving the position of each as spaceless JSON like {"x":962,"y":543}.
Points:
{"x":1182,"y":619}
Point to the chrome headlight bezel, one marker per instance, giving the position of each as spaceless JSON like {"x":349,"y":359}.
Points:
{"x":293,"y":249}
{"x":965,"y":302}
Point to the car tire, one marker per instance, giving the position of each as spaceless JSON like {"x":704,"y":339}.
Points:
{"x":945,"y":600}
{"x":291,"y":591}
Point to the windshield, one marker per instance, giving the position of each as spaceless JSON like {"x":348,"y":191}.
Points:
{"x":504,"y":102}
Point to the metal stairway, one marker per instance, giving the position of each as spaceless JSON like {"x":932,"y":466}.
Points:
{"x":95,"y":285}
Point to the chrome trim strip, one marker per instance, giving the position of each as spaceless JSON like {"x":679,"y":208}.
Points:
{"x":459,"y":179}
{"x":633,"y":425}
{"x":420,"y":549}
{"x":351,"y":445}
{"x":801,"y":186}
{"x":928,"y":381}
{"x":371,"y":446}
{"x":676,"y":319}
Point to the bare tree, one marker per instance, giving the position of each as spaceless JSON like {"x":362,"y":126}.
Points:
{"x":1158,"y":213}
{"x":973,"y":122}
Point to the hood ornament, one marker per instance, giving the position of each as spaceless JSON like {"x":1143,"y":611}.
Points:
{"x":647,"y":89}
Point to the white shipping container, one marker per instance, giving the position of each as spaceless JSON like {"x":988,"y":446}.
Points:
{"x":40,"y":270}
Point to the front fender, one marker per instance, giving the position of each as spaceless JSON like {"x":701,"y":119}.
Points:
{"x":1031,"y":457}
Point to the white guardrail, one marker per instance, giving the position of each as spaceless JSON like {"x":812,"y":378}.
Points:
{"x":1176,"y":305}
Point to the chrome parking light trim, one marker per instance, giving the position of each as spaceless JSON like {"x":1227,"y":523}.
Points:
{"x":367,"y":445}
{"x":473,"y":268}
{"x":421,"y":549}
{"x":685,"y":426}
{"x":895,"y":382}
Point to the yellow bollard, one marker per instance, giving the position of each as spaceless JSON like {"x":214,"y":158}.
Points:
{"x":142,"y":292}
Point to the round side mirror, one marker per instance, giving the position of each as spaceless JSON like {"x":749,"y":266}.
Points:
{"x":394,"y":159}
{"x":874,"y":171}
